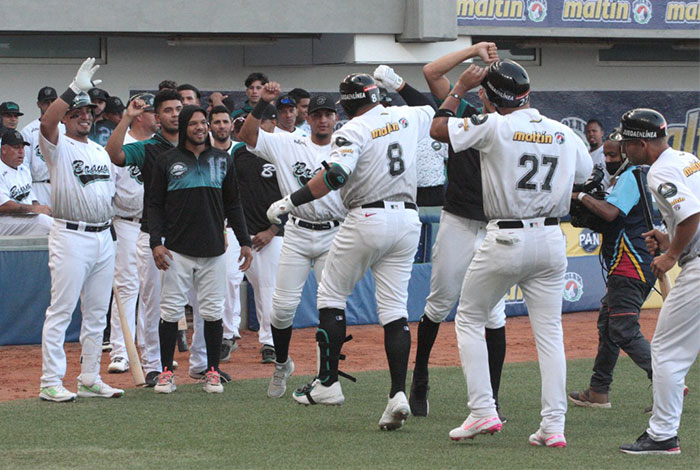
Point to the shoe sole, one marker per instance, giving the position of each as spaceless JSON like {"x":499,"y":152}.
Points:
{"x":652,"y":452}
{"x":319,"y":403}
{"x":157,"y":390}
{"x":492,"y":430}
{"x":588,"y":404}
{"x":112,"y":370}
{"x":64,"y":400}
{"x":219,"y":389}
{"x":538,"y":443}
{"x":97,"y":395}
{"x":399,"y":417}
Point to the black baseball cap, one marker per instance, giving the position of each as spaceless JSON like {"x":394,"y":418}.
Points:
{"x":286,"y":100}
{"x":321,"y":102}
{"x":47,"y":93}
{"x":147,"y":98}
{"x":114,"y":105}
{"x":12,"y":137}
{"x":98,"y":94}
{"x":10,"y":107}
{"x":269,"y":113}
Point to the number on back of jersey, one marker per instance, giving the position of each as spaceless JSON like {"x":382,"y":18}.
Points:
{"x":396,"y":164}
{"x":532,"y":163}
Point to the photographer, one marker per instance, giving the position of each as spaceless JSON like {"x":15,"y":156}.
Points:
{"x":620,"y":218}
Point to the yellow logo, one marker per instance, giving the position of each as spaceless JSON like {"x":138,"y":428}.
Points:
{"x":536,"y":137}
{"x":596,"y":10}
{"x":692,"y":168}
{"x":386,"y":130}
{"x":487,"y":9}
{"x":677,"y":201}
{"x":684,"y":136}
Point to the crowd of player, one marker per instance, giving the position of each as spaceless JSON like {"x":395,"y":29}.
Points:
{"x":196,"y":196}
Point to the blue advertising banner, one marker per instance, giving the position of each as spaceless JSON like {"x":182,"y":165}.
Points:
{"x":617,"y":14}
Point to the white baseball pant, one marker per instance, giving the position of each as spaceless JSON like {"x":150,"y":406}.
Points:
{"x":82,"y":267}
{"x":149,"y":305}
{"x":674,"y":349}
{"x":457,"y":240}
{"x":34,"y":224}
{"x":385,"y":241}
{"x":127,"y":281}
{"x":262,"y":275}
{"x":302,"y":249}
{"x":234,"y":277}
{"x":534,"y":258}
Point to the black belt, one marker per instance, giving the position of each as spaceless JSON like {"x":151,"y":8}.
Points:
{"x":320,"y":226}
{"x":130,"y":219}
{"x":380,"y":205}
{"x":519,"y":223}
{"x":42,"y":181}
{"x":87,"y":228}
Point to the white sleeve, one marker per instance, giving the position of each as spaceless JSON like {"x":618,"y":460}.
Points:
{"x":584,"y":163}
{"x":346,"y":145}
{"x":476,"y":131}
{"x":4,"y":192}
{"x":32,"y":197}
{"x":270,"y":147}
{"x":669,"y":187}
{"x":424,"y":116}
{"x":48,"y":150}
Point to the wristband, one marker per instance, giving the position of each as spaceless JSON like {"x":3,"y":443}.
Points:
{"x":301,"y":196}
{"x":259,"y":109}
{"x":69,"y":95}
{"x":581,"y":195}
{"x":443,"y":113}
{"x":456,"y":96}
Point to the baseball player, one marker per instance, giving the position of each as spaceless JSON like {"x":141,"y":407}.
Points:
{"x":20,"y":213}
{"x":529,"y":164}
{"x":81,"y":251}
{"x":41,"y":186}
{"x":311,"y":227}
{"x":128,"y":210}
{"x":674,"y":180}
{"x":373,"y":164}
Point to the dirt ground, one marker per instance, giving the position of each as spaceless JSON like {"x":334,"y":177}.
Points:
{"x":20,"y":366}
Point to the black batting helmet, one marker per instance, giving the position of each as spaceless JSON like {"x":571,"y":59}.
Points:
{"x":357,"y":90}
{"x":507,"y":84}
{"x":81,"y":100}
{"x":642,"y":123}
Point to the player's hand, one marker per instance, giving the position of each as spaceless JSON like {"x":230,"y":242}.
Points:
{"x":472,"y":77}
{"x":574,"y":195}
{"x":261,"y":239}
{"x":83,"y":78}
{"x":41,"y":209}
{"x":217,"y":98}
{"x":135,"y":109}
{"x":270,"y":91}
{"x":661,"y":264}
{"x":487,"y":51}
{"x":162,"y":257}
{"x":279,"y":208}
{"x":387,"y":78}
{"x":246,"y":257}
{"x":656,"y":241}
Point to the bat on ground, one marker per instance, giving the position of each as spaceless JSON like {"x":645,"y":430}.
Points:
{"x":134,"y":361}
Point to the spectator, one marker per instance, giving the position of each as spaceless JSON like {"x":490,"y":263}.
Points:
{"x":253,"y":88}
{"x":114,"y":110}
{"x":98,"y":96}
{"x":302,"y":97}
{"x":594,"y":136}
{"x":101,"y":128}
{"x":10,"y":115}
{"x":167,"y":84}
{"x":190,"y":94}
{"x":20,"y":213}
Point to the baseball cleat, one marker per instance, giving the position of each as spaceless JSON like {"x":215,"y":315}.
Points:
{"x":473,"y":426}
{"x":212,"y":382}
{"x":98,"y":390}
{"x":395,"y":413}
{"x":166,"y":382}
{"x":228,"y":345}
{"x":315,"y":393}
{"x":118,"y":365}
{"x":225,"y":378}
{"x":268,"y":354}
{"x":57,"y":393}
{"x":152,"y":378}
{"x":645,"y":445}
{"x":278,"y":382}
{"x":541,"y":438}
{"x":418,"y":399}
{"x":590,"y":399}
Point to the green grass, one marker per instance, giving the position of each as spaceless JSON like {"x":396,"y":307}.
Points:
{"x":244,"y":429}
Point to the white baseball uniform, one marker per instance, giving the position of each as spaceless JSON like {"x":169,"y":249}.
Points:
{"x":528,"y":166}
{"x":16,"y":185}
{"x":311,"y":228}
{"x":674,"y":180}
{"x":234,"y":276}
{"x":81,"y":253}
{"x":378,"y":150}
{"x":598,"y":157}
{"x":41,"y":185}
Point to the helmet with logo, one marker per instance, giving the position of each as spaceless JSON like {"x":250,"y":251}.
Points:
{"x":642,"y":123}
{"x":81,"y":100}
{"x":356,"y":91}
{"x":507,"y":84}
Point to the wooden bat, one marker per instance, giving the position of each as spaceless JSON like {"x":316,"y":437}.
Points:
{"x":134,"y":361}
{"x":664,"y":284}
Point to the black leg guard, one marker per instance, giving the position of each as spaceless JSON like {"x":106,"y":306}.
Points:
{"x":213,"y":334}
{"x":496,"y":345}
{"x":330,"y":337}
{"x":427,"y":333}
{"x":281,"y":338}
{"x":397,"y":344}
{"x":167,"y":333}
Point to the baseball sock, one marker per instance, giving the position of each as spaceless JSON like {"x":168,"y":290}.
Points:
{"x":427,"y":332}
{"x":213,"y":334}
{"x":167,"y":333}
{"x":281,"y":338}
{"x":330,"y":337}
{"x":397,"y":344}
{"x":496,"y":345}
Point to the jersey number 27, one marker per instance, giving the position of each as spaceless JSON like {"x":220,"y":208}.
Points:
{"x":531,"y":161}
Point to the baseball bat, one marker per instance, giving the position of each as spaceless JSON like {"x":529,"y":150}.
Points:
{"x":134,"y":361}
{"x":664,"y":284}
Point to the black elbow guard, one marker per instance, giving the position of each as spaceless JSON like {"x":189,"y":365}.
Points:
{"x":335,"y":176}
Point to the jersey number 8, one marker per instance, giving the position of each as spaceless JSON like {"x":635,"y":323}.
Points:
{"x":396,"y":163}
{"x":531,"y":160}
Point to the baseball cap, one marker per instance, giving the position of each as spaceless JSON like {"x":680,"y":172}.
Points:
{"x":286,"y":100}
{"x":321,"y":102}
{"x":114,"y":105}
{"x":47,"y":93}
{"x":146,"y":98}
{"x":269,"y":113}
{"x":10,"y":107}
{"x":12,"y":137}
{"x":98,"y":94}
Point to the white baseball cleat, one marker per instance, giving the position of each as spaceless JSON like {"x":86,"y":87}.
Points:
{"x":57,"y":393}
{"x":541,"y":438}
{"x":278,"y":382}
{"x":166,"y":382}
{"x":315,"y":393}
{"x":98,"y":390}
{"x":212,"y":382}
{"x":473,"y":426}
{"x":118,"y":365}
{"x":395,"y":413}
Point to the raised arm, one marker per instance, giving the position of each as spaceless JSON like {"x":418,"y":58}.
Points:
{"x":116,"y":140}
{"x":251,"y":126}
{"x":435,"y":71}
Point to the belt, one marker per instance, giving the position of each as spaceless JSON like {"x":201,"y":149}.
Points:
{"x":380,"y":205}
{"x":42,"y":181}
{"x":87,"y":228}
{"x":519,"y":223}
{"x":129,"y":219}
{"x":318,"y":226}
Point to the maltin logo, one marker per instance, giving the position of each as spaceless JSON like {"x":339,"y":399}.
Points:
{"x":537,"y":10}
{"x":573,"y":287}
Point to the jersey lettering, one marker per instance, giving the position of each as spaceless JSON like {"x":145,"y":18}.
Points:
{"x":396,"y":163}
{"x":532,"y":161}
{"x":90,"y":173}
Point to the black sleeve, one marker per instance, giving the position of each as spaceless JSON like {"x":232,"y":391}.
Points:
{"x":232,"y":206}
{"x":156,"y":202}
{"x":413,"y":97}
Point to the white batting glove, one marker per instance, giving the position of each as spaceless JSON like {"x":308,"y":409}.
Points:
{"x":387,"y":78}
{"x":83,"y":78}
{"x":279,"y":208}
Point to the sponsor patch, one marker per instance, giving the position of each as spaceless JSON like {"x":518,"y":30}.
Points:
{"x":478,"y":119}
{"x":342,"y":142}
{"x":177,"y":170}
{"x":588,"y":240}
{"x":573,"y":287}
{"x":667,"y":190}
{"x":559,"y":137}
{"x":641,"y":9}
{"x":677,"y":200}
{"x":692,"y":168}
{"x":537,"y":10}
{"x":403,"y":122}
{"x":436,"y":145}
{"x":536,"y":137}
{"x":386,"y":130}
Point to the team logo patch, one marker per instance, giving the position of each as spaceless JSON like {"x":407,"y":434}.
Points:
{"x":642,"y":11}
{"x":302,"y":173}
{"x":667,"y":190}
{"x":588,"y":240}
{"x":177,"y":170}
{"x":537,"y":10}
{"x":403,"y":122}
{"x":436,"y":145}
{"x":478,"y":119}
{"x":559,"y":136}
{"x":342,"y":142}
{"x":268,"y":170}
{"x":135,"y":172}
{"x":573,"y":287}
{"x":87,"y":174}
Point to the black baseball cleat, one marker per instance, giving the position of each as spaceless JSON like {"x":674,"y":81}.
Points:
{"x":152,"y":378}
{"x":646,"y":445}
{"x":418,"y":400}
